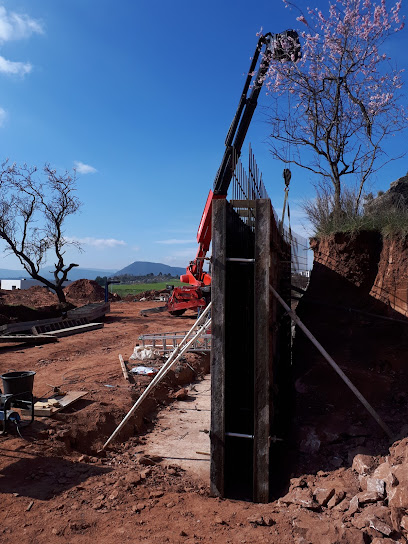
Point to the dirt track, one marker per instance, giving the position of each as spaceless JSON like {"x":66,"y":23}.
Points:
{"x":80,"y":496}
{"x":54,"y":486}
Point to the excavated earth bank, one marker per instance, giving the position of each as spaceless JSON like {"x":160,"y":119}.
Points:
{"x":347,"y":485}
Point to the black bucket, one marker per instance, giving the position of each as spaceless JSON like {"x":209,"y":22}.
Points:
{"x":18,"y":382}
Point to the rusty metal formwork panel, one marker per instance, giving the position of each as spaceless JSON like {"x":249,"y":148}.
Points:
{"x":250,"y":377}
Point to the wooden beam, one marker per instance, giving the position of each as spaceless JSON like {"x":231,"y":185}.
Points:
{"x":123,"y":367}
{"x":262,"y":356}
{"x":27,"y":339}
{"x":75,"y":330}
{"x":218,"y":278}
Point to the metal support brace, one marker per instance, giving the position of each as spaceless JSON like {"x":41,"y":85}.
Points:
{"x":334,"y":365}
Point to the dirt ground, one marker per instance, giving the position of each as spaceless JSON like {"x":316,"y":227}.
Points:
{"x":55,"y":485}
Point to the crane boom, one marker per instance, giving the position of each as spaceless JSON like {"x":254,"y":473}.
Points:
{"x":283,"y":47}
{"x":280,"y":47}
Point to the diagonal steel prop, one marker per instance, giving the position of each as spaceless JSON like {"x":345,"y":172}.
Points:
{"x":203,"y":323}
{"x":334,"y":365}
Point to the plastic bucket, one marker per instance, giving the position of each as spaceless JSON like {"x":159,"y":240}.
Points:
{"x":18,"y":382}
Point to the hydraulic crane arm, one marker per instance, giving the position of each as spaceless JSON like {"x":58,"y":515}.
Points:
{"x":275,"y":49}
{"x":282,"y":47}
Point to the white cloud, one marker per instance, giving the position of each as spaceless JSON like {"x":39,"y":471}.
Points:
{"x":187,"y":253}
{"x":100,"y":243}
{"x":3,"y":116}
{"x":83,"y":168}
{"x":174,"y":241}
{"x":14,"y":68}
{"x":16,"y":26}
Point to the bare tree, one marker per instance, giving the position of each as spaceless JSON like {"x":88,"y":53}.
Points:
{"x":342,"y":96}
{"x":33,"y":213}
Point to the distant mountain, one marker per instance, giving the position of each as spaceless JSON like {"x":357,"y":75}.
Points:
{"x":6,"y":274}
{"x":88,"y":273}
{"x":141,"y":268}
{"x":138,"y":268}
{"x":74,"y":274}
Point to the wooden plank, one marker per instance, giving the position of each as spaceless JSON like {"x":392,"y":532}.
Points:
{"x":47,"y":407}
{"x":263,"y":362}
{"x":218,"y":274}
{"x":69,"y":331}
{"x":90,"y":311}
{"x":69,"y":398}
{"x":26,"y":325}
{"x":124,"y":369}
{"x":27,"y":339}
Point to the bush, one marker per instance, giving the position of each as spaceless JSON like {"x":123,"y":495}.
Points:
{"x":387,"y":220}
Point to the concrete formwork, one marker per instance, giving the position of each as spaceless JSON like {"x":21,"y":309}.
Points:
{"x":250,"y":358}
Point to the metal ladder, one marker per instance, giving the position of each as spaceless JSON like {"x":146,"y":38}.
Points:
{"x":168,"y":341}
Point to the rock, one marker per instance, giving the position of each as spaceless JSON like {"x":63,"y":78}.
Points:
{"x":350,"y":535}
{"x":138,"y":507}
{"x":156,"y":494}
{"x":399,"y":496}
{"x":145,"y":473}
{"x":145,"y":460}
{"x":156,"y":458}
{"x":385,"y":472}
{"x":367,"y":497}
{"x":133,"y":478}
{"x":62,"y":434}
{"x":336,"y":499}
{"x":380,"y":526}
{"x":300,"y":496}
{"x":374,"y":517}
{"x":261,"y":520}
{"x":404,"y":523}
{"x":114,"y":495}
{"x":220,"y":521}
{"x":363,"y":464}
{"x":323,"y":495}
{"x":183,"y":533}
{"x":384,"y":541}
{"x":298,"y":482}
{"x":399,"y":451}
{"x":397,"y":515}
{"x":181,"y":394}
{"x":83,"y":459}
{"x":396,"y":198}
{"x":353,"y":508}
{"x":374,"y":485}
{"x":342,"y":506}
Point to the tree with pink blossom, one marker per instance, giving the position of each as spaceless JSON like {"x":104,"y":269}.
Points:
{"x":342,"y":98}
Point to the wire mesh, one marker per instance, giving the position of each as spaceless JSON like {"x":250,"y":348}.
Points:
{"x":247,"y":187}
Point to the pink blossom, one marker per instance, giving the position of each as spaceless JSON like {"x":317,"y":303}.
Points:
{"x":301,"y":19}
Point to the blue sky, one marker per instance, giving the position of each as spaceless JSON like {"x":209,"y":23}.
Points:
{"x":139,"y":95}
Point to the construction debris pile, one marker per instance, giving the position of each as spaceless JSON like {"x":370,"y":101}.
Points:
{"x":84,"y":291}
{"x":364,"y":502}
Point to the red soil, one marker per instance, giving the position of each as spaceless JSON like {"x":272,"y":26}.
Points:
{"x":55,"y":486}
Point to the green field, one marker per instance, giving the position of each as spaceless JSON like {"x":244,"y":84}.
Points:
{"x":135,"y":288}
